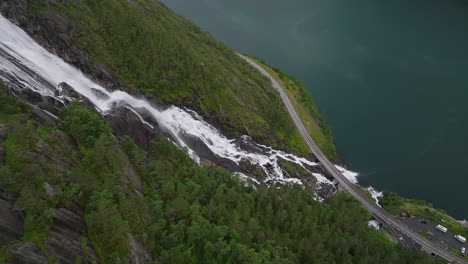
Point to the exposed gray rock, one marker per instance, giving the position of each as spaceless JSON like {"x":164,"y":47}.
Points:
{"x":11,"y":221}
{"x":131,"y":177}
{"x":26,"y":253}
{"x":50,"y":192}
{"x":59,"y":157}
{"x":63,"y":243}
{"x":138,"y":254}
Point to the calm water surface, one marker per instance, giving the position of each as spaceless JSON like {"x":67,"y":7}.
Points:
{"x":390,"y":76}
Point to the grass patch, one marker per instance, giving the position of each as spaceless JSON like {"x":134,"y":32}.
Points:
{"x":5,"y":251}
{"x":424,"y":234}
{"x":458,"y":252}
{"x":387,"y":229}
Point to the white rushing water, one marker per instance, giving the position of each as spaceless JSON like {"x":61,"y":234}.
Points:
{"x":375,"y":194}
{"x":25,"y":62}
{"x":350,"y":175}
{"x":374,"y":224}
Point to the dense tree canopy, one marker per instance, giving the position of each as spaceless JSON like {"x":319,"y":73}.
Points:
{"x":186,"y":213}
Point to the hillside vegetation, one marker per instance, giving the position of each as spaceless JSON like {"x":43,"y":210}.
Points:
{"x":179,"y":211}
{"x":162,"y":55}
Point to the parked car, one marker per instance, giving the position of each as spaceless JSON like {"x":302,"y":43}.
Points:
{"x":441,"y":228}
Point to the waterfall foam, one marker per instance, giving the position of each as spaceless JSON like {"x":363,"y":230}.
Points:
{"x":24,"y":64}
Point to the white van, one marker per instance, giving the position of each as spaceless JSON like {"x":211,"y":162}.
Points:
{"x":460,"y":238}
{"x":441,"y":228}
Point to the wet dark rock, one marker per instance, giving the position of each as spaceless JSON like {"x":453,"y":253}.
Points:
{"x":124,"y":121}
{"x":44,"y":116}
{"x":248,"y":144}
{"x":101,"y":95}
{"x":63,"y":243}
{"x":26,"y":253}
{"x":205,"y":154}
{"x":67,"y":91}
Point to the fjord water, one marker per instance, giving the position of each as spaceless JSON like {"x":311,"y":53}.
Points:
{"x":390,"y":76}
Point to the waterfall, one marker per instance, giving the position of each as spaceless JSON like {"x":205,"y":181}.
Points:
{"x":24,"y":64}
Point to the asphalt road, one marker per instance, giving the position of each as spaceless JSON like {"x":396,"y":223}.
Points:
{"x":378,"y":212}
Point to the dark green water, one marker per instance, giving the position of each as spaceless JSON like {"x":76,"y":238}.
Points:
{"x":390,"y":76}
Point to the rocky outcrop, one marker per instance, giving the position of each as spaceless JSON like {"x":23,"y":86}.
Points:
{"x":125,"y":121}
{"x":131,"y":179}
{"x":62,"y":159}
{"x":11,"y":221}
{"x":26,"y":253}
{"x":69,"y":93}
{"x":138,"y":254}
{"x":64,"y":241}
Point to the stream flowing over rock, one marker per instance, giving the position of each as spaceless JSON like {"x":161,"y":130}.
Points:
{"x":28,"y":68}
{"x":49,"y":83}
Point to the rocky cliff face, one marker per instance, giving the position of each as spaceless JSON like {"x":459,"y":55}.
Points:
{"x":67,"y":240}
{"x":55,"y":33}
{"x":11,"y":220}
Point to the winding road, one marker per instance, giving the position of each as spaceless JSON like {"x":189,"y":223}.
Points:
{"x":378,"y":212}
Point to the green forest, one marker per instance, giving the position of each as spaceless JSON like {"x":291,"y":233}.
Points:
{"x":182,"y":212}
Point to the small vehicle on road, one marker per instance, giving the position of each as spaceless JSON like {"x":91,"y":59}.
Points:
{"x":441,"y":228}
{"x":460,"y":238}
{"x":463,"y":250}
{"x":423,"y":222}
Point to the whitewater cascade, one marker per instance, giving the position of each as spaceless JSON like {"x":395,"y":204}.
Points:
{"x":25,"y":65}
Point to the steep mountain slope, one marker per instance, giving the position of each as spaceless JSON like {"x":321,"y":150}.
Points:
{"x":78,"y":189}
{"x":156,"y":53}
